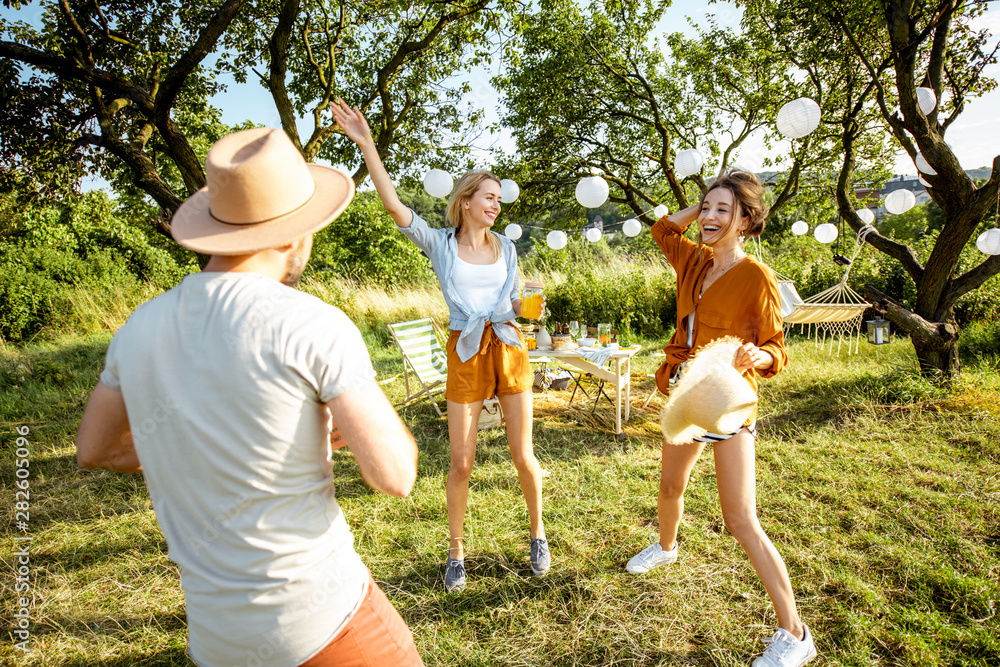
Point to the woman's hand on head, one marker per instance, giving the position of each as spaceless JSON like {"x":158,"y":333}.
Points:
{"x":352,"y":122}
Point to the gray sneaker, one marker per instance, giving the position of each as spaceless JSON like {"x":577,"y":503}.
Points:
{"x":539,"y":556}
{"x":454,"y":575}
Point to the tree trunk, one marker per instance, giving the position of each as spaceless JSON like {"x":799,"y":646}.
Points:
{"x":935,"y":343}
{"x":937,"y":362}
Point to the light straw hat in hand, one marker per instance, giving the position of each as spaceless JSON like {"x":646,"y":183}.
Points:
{"x":710,"y":397}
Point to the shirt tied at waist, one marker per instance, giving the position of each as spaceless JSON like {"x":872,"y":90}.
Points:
{"x":470,"y":340}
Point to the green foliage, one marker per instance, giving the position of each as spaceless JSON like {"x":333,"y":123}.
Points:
{"x":577,"y":254}
{"x":591,"y":283}
{"x":980,"y":342}
{"x":431,"y":209}
{"x":365,"y":244}
{"x":82,"y":244}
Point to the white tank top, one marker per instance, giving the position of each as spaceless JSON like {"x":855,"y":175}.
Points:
{"x":479,"y":285}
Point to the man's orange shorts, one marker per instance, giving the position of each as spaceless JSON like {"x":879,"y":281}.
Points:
{"x":496,"y":370}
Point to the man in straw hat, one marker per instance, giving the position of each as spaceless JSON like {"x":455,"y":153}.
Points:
{"x":221,"y":393}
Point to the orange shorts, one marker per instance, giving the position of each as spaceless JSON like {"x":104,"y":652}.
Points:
{"x":496,"y":370}
{"x":376,"y":636}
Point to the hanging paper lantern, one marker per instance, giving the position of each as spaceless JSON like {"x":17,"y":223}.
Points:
{"x":661,"y":211}
{"x":867,"y":215}
{"x":798,"y":118}
{"x":923,"y":181}
{"x":688,"y":162}
{"x":923,"y":166}
{"x":556,"y":239}
{"x":513,"y":231}
{"x":632,"y":227}
{"x":926,"y":100}
{"x":826,"y":233}
{"x":799,"y":227}
{"x":900,"y":201}
{"x":438,"y":183}
{"x":989,"y":242}
{"x":593,"y":234}
{"x":509,"y":191}
{"x":592,"y":191}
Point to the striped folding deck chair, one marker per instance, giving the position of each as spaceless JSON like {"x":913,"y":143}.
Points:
{"x":422,"y":353}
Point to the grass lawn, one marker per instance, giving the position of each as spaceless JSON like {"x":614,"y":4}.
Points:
{"x":881,"y":491}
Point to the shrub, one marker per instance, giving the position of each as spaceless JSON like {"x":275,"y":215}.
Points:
{"x":364,"y":244}
{"x":56,"y":251}
{"x":979,"y":341}
{"x":590,"y":283}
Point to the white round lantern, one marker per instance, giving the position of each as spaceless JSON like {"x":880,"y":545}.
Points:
{"x":866,"y":215}
{"x":826,"y":233}
{"x":513,"y":231}
{"x":900,"y":201}
{"x":661,"y":211}
{"x":688,"y":163}
{"x":438,"y":183}
{"x":632,"y":227}
{"x":989,"y":242}
{"x":556,"y":239}
{"x":923,"y":181}
{"x":926,"y":100}
{"x":592,"y":191}
{"x":923,"y":166}
{"x":800,"y":227}
{"x":798,"y":118}
{"x":509,"y":191}
{"x":593,"y":234}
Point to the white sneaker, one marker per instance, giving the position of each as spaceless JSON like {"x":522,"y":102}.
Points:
{"x":650,"y":557}
{"x":787,"y":651}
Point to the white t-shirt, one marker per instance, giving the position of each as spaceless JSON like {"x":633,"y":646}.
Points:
{"x":225,"y":378}
{"x":479,"y":285}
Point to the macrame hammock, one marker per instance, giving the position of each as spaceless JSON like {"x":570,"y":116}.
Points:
{"x":833,"y":313}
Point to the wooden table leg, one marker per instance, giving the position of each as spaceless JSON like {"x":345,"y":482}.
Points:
{"x":628,"y":388}
{"x":618,"y":397}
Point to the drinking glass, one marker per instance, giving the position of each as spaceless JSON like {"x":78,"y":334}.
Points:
{"x":603,"y":334}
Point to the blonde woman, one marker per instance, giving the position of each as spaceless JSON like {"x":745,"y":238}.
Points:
{"x":721,"y":291}
{"x":477,"y":270}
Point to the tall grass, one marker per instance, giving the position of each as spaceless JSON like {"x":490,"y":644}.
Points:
{"x":880,"y":489}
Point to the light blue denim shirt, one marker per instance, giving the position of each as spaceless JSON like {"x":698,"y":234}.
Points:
{"x":442,"y":248}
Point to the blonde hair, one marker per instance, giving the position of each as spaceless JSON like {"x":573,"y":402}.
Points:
{"x":466,"y":187}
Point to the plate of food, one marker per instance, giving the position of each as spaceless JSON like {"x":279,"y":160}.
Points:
{"x":563,"y":342}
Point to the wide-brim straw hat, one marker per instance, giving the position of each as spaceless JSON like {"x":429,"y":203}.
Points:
{"x":261,"y":194}
{"x":710,"y":397}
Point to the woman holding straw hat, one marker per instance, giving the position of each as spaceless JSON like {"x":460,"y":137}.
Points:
{"x":477,"y":270}
{"x":721,"y":292}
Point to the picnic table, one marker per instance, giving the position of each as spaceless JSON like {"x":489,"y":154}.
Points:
{"x":619,"y":379}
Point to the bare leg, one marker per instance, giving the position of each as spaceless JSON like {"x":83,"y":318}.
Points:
{"x":676,"y":463}
{"x":463,"y":422}
{"x":736,"y":476}
{"x":517,"y":410}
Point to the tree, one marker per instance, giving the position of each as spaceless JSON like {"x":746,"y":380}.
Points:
{"x":591,"y":89}
{"x":882,"y":51}
{"x":123,"y":86}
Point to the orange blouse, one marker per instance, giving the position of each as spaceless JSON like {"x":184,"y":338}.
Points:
{"x":744,"y":303}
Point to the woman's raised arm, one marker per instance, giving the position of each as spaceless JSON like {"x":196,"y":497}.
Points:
{"x":354,"y":125}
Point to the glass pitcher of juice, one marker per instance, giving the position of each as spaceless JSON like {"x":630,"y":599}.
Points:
{"x":531,"y":301}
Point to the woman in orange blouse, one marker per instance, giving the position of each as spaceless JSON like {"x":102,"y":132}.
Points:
{"x":721,"y":291}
